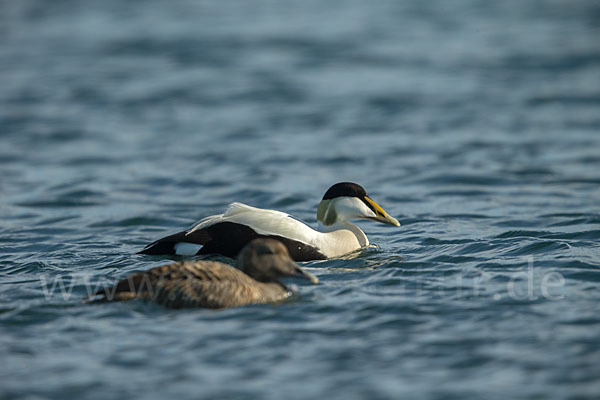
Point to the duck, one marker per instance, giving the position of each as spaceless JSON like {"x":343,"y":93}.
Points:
{"x":212,"y":284}
{"x":226,"y":234}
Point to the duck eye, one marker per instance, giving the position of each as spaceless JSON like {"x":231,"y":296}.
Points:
{"x":265,"y":251}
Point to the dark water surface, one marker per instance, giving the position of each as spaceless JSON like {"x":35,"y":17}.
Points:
{"x":476,"y":123}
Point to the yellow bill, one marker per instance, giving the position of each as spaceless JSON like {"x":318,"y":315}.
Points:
{"x":380,"y":214}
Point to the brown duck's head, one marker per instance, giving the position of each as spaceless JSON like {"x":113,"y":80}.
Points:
{"x":268,"y":259}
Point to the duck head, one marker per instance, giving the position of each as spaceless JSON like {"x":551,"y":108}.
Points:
{"x":266,"y":260}
{"x":346,"y":200}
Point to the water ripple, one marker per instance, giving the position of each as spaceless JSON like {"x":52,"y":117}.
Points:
{"x":475,"y":124}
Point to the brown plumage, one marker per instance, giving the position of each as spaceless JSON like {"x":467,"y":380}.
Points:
{"x":212,"y":284}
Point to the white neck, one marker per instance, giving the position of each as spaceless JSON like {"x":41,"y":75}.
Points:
{"x":337,"y":235}
{"x":341,"y":238}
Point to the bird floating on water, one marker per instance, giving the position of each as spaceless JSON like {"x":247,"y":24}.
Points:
{"x":212,"y":284}
{"x":227,"y":233}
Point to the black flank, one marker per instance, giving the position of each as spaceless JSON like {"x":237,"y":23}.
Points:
{"x":228,"y":239}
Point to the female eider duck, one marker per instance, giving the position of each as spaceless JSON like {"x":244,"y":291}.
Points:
{"x":227,"y":233}
{"x":212,"y":284}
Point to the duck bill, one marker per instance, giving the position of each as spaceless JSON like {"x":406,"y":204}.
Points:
{"x":301,"y":273}
{"x":380,"y":214}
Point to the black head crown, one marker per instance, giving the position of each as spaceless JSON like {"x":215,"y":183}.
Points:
{"x":347,"y":189}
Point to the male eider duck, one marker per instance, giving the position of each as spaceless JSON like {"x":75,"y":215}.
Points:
{"x":227,"y":233}
{"x":212,"y":284}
